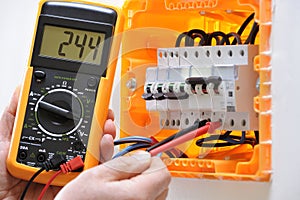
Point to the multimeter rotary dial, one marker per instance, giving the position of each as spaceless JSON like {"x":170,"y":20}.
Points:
{"x":59,"y":112}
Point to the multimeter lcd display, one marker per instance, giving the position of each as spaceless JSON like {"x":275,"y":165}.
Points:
{"x":72,"y":44}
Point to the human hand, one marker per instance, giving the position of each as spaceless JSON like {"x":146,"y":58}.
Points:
{"x":139,"y":176}
{"x":11,"y":187}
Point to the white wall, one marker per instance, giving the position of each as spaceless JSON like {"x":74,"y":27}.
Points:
{"x":17,"y":19}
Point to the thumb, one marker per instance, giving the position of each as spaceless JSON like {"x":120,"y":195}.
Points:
{"x":124,"y":167}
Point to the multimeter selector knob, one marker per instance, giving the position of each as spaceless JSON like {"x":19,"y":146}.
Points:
{"x":59,"y":112}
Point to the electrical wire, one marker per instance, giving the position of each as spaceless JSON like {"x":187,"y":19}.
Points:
{"x":179,"y":38}
{"x":131,"y":148}
{"x":132,"y":139}
{"x":217,"y":35}
{"x":30,"y":181}
{"x":252,"y":35}
{"x":221,"y":38}
{"x":139,"y":143}
{"x":257,"y":136}
{"x":178,"y":153}
{"x":72,"y":165}
{"x":180,"y":133}
{"x":243,"y":26}
{"x":186,"y":137}
{"x":152,"y":143}
{"x":48,"y":184}
{"x":170,"y":154}
{"x":193,"y":34}
{"x":227,"y":140}
{"x":50,"y":164}
{"x":236,"y":37}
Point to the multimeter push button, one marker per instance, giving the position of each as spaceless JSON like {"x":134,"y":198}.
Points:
{"x":92,"y":82}
{"x":39,"y":74}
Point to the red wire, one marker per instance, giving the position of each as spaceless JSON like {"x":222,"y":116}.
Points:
{"x":48,"y":184}
{"x":73,"y":164}
{"x":209,"y":127}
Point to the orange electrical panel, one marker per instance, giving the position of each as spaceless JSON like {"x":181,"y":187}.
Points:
{"x":192,"y":62}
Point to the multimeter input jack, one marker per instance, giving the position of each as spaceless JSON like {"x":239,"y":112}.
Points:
{"x":41,"y":157}
{"x":22,"y":155}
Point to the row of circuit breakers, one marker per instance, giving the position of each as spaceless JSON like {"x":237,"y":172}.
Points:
{"x":204,"y":82}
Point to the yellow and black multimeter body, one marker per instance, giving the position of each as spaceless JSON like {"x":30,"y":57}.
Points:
{"x":66,"y":92}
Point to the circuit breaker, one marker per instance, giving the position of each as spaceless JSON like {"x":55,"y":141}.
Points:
{"x":208,"y":82}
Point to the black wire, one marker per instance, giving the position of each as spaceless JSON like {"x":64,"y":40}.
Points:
{"x":170,"y":154}
{"x":132,"y":139}
{"x":228,"y":140}
{"x":202,"y":39}
{"x":253,"y":35}
{"x":197,"y":33}
{"x":181,"y":153}
{"x":257,"y":136}
{"x":243,"y":27}
{"x":30,"y":181}
{"x":189,"y":41}
{"x":254,"y":30}
{"x":184,"y":156}
{"x":182,"y":132}
{"x":236,"y":37}
{"x":225,"y":144}
{"x":216,"y":35}
{"x":179,"y":38}
{"x":220,"y":37}
{"x":232,"y":140}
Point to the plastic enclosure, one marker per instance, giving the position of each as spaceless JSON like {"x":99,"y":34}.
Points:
{"x":149,"y":58}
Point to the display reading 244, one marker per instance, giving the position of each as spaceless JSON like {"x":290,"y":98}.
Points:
{"x":80,"y":45}
{"x":72,"y":44}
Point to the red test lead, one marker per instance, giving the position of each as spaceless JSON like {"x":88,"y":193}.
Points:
{"x":72,"y":165}
{"x":209,"y":127}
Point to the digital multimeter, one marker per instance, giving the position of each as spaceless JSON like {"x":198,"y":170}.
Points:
{"x":66,"y":92}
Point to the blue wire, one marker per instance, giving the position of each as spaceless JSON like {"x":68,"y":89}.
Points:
{"x":131,"y":148}
{"x":132,"y":139}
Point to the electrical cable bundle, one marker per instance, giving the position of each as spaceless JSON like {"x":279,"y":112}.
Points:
{"x":226,"y":139}
{"x":199,"y":128}
{"x":138,"y":143}
{"x":143,"y":142}
{"x":221,"y":38}
{"x":167,"y":145}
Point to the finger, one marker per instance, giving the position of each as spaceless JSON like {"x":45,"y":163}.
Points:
{"x":109,"y":128}
{"x":8,"y":117}
{"x":110,"y":115}
{"x":153,"y":181}
{"x":106,"y":148}
{"x":12,"y":108}
{"x":163,"y":195}
{"x":151,"y":184}
{"x":124,"y":167}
